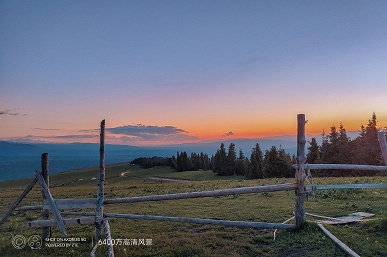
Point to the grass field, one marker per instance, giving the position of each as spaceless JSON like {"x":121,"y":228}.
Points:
{"x":157,"y":238}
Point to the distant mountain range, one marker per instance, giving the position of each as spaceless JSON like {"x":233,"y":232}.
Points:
{"x":19,"y":160}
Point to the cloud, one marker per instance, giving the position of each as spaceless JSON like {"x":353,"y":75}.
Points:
{"x":140,"y":130}
{"x":47,"y":129}
{"x":230,"y":133}
{"x":75,"y":136}
{"x":11,"y":112}
{"x":88,"y":130}
{"x":138,"y":134}
{"x":55,"y":139}
{"x":155,"y":140}
{"x":132,"y":134}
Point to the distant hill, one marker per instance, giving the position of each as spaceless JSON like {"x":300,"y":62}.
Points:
{"x":11,"y":149}
{"x":20,"y":160}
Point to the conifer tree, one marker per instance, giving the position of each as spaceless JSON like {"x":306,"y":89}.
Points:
{"x":241,"y":164}
{"x":255,"y":167}
{"x":270,"y":163}
{"x":231,"y":160}
{"x":219,"y":161}
{"x":277,"y":164}
{"x":313,"y":151}
{"x":368,"y":149}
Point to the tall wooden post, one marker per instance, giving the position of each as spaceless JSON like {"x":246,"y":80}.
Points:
{"x":299,"y":211}
{"x":383,"y":144}
{"x":101,"y":184}
{"x":46,"y":231}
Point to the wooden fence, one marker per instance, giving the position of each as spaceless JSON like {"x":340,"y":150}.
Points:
{"x":100,"y":219}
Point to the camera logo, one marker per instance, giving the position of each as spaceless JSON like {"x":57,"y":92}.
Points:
{"x":34,"y":242}
{"x":19,"y":242}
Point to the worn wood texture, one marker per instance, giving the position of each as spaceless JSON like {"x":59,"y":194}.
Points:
{"x":101,"y":184}
{"x":383,"y":144}
{"x":249,"y":224}
{"x":220,"y":192}
{"x":85,"y":203}
{"x":342,"y":167}
{"x":18,"y":201}
{"x":346,"y":186}
{"x":29,"y":208}
{"x":67,"y":222}
{"x":91,"y":202}
{"x":46,"y":231}
{"x":300,"y":173}
{"x":54,"y":208}
{"x":338,"y":242}
{"x":108,"y":236}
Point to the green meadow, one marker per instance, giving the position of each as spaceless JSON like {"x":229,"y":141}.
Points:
{"x":159,"y":238}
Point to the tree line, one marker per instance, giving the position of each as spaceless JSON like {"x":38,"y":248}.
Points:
{"x":275,"y":162}
{"x":181,"y":162}
{"x":338,"y":148}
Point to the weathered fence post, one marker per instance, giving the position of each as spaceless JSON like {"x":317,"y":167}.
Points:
{"x":46,"y":231}
{"x":108,"y":236}
{"x":299,"y":211}
{"x":101,"y":184}
{"x":383,"y":144}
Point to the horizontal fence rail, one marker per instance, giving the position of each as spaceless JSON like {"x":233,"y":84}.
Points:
{"x":220,"y":192}
{"x":249,"y":224}
{"x":342,"y":167}
{"x":91,"y":202}
{"x":67,"y":222}
{"x":346,"y":186}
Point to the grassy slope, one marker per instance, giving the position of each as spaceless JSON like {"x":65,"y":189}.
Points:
{"x":182,"y":239}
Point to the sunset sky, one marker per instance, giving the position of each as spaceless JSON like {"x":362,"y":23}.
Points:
{"x":167,"y":72}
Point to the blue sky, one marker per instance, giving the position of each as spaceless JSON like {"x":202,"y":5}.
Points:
{"x":205,"y":68}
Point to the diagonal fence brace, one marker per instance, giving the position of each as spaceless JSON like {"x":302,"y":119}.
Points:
{"x":54,"y":208}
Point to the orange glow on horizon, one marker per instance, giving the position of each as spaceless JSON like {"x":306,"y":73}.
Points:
{"x":191,"y":131}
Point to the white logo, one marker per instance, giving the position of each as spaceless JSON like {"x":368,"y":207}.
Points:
{"x":19,"y":242}
{"x":35,"y":242}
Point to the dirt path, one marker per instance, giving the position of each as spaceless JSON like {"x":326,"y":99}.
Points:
{"x":169,"y":179}
{"x":157,"y":178}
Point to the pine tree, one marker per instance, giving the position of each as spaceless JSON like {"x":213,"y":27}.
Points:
{"x":270,"y":163}
{"x":241,"y":164}
{"x":285,"y":164}
{"x":277,"y":164}
{"x":368,"y":149}
{"x":313,"y":152}
{"x":231,"y":160}
{"x":255,"y":167}
{"x":329,"y":147}
{"x":219,"y":161}
{"x":195,"y":161}
{"x":179,"y":165}
{"x":344,"y":154}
